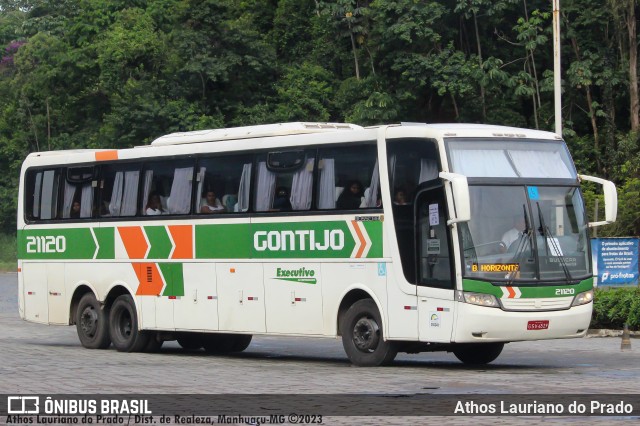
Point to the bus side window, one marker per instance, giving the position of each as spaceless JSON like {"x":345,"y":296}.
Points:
{"x":287,"y":187}
{"x":77,"y":192}
{"x":348,"y":178}
{"x":228,"y":179}
{"x":43,"y":184}
{"x":171,"y":181}
{"x":118,"y":190}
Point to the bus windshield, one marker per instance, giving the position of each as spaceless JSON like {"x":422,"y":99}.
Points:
{"x":504,"y":158}
{"x":525,"y":233}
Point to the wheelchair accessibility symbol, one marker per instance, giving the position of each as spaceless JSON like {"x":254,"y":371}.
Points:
{"x":382,"y":269}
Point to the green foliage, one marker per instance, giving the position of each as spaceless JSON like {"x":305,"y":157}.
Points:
{"x":612,"y":308}
{"x":306,"y":93}
{"x":119,"y":73}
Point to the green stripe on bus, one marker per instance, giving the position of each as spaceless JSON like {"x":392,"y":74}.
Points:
{"x":54,"y":244}
{"x":106,"y":240}
{"x":230,"y":241}
{"x":173,"y":276}
{"x":540,"y":291}
{"x":281,"y":240}
{"x":374,"y":229}
{"x":159,"y":241}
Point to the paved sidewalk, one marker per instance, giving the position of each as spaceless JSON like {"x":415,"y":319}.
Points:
{"x":41,"y":359}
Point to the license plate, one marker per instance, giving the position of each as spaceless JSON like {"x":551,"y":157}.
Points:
{"x":538,"y":325}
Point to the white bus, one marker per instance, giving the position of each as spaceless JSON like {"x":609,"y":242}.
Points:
{"x":405,"y":238}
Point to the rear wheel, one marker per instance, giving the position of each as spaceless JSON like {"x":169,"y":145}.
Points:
{"x":123,"y":326}
{"x":363,"y":337}
{"x":190,"y":341}
{"x":478,"y":353}
{"x":92,"y":323}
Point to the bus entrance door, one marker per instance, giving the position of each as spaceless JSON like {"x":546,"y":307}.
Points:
{"x":435,"y":268}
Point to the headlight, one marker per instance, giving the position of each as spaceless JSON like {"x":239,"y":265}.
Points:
{"x":583,"y":298}
{"x":481,"y":299}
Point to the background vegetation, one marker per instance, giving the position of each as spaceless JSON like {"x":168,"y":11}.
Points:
{"x":612,"y":308}
{"x":119,"y":73}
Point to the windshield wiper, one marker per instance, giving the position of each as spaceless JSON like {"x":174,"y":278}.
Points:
{"x":522,"y":244}
{"x":550,"y":240}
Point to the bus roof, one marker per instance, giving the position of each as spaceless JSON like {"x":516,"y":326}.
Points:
{"x":474,"y":130}
{"x":264,"y":130}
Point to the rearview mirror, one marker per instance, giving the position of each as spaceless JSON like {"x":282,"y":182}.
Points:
{"x":610,"y":200}
{"x":461,"y":199}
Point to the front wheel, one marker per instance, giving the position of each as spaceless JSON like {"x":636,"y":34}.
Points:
{"x":478,"y":353}
{"x":363,"y":337}
{"x":123,"y":326}
{"x":92,"y":323}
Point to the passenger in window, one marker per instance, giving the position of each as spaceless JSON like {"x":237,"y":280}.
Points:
{"x":281,"y":201}
{"x":212,"y":204}
{"x":75,"y":210}
{"x":351,"y":197}
{"x":400,"y":198}
{"x":154,"y":206}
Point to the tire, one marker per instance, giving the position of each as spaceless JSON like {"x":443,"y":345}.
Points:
{"x":478,"y":353}
{"x":226,"y":343}
{"x":92,"y":323}
{"x":123,"y":326}
{"x":154,"y":344}
{"x":190,"y":341}
{"x":363,"y":336}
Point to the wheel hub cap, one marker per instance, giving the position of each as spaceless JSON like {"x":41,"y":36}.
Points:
{"x":89,"y":321}
{"x":366,"y":334}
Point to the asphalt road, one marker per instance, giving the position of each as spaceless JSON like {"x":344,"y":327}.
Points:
{"x":49,"y":359}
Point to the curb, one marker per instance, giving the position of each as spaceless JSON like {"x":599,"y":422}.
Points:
{"x":603,"y":332}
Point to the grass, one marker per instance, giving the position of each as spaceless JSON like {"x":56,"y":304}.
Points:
{"x":8,"y":253}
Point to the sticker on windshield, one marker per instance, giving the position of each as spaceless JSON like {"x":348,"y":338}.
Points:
{"x":434,"y":216}
{"x":433,"y":246}
{"x":533,"y":192}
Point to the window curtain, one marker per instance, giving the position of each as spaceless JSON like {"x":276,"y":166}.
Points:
{"x":243,"y":190}
{"x":428,"y":169}
{"x":115,"y":204}
{"x":392,"y":171}
{"x":266,"y":188}
{"x":49,"y":195}
{"x":480,"y":163}
{"x":69,"y":192}
{"x":180,"y":196}
{"x":130,"y":195}
{"x":86,"y":200}
{"x":301,"y":187}
{"x":371,"y":199}
{"x":327,"y":195}
{"x":544,"y":164}
{"x":199,"y":195}
{"x":148,"y":179}
{"x":36,"y":195}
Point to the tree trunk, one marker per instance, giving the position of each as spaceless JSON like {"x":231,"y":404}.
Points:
{"x":48,"y":127}
{"x":592,"y":113}
{"x":633,"y":67}
{"x":482,"y":97}
{"x":355,"y":53}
